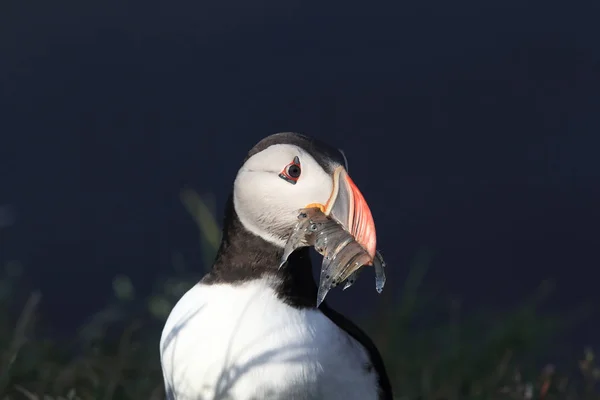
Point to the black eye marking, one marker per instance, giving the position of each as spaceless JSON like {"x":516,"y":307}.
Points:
{"x":292,"y":171}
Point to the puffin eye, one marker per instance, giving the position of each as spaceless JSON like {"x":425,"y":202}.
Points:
{"x":292,"y":171}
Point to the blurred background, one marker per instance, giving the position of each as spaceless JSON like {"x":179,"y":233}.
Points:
{"x":472,"y":129}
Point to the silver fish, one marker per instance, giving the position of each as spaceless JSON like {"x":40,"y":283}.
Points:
{"x":342,"y":254}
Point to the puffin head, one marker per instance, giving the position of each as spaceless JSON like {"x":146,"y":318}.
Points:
{"x":287,"y":172}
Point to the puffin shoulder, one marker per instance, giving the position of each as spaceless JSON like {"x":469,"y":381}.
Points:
{"x":375,"y":357}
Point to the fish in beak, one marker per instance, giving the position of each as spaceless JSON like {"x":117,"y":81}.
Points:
{"x":343,"y":231}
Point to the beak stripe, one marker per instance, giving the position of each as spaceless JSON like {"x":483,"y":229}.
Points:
{"x":362,"y":225}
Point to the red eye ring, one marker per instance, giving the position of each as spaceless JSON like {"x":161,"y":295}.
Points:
{"x":291,"y":173}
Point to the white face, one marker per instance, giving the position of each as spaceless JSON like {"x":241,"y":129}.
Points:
{"x":267,"y":204}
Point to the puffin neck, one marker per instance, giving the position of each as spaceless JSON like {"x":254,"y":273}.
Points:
{"x":243,"y":256}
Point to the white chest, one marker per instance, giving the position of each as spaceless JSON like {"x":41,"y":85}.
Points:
{"x":242,"y":342}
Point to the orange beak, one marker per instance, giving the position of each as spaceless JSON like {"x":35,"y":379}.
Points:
{"x":348,"y":207}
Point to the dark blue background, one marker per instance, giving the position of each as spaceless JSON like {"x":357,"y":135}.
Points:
{"x":471,"y":127}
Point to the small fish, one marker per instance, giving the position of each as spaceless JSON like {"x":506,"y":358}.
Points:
{"x":342,"y":255}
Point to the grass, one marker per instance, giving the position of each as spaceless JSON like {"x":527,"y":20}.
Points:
{"x":431,"y":350}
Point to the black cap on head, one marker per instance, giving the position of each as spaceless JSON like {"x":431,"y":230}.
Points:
{"x":323,"y":153}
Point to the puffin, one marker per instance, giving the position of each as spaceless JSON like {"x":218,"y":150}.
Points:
{"x":251,"y":328}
